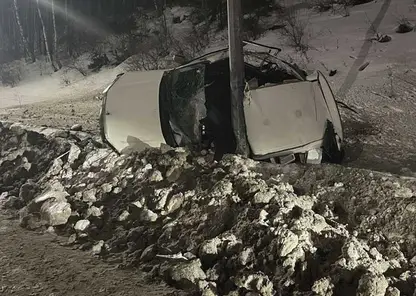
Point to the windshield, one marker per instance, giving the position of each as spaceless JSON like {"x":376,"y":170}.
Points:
{"x":187,"y":103}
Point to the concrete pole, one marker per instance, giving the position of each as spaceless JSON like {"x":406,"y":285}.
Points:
{"x":237,"y":79}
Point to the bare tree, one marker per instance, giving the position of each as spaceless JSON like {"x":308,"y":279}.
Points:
{"x":45,"y":38}
{"x":55,"y":36}
{"x":22,"y":35}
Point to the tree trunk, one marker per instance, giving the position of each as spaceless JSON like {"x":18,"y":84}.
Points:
{"x":32,"y":30}
{"x":55,"y":37}
{"x":45,"y":38}
{"x":22,"y":35}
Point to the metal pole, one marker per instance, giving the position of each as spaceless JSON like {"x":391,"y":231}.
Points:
{"x":237,"y":79}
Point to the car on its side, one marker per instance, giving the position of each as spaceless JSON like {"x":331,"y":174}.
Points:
{"x":289,"y":115}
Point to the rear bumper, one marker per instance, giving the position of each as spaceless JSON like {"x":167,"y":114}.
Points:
{"x":296,"y":150}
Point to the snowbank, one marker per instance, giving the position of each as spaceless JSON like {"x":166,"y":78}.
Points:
{"x":223,"y":229}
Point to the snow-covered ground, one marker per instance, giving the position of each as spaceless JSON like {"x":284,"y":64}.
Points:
{"x":36,"y":88}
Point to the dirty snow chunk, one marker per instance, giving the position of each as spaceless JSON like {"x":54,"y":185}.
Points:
{"x":74,"y":153}
{"x":222,"y":189}
{"x":56,"y":168}
{"x":210,"y":247}
{"x":59,"y":133}
{"x":263,"y":217}
{"x":304,"y":202}
{"x":3,"y":196}
{"x":187,"y":274}
{"x":82,"y":225}
{"x":67,"y":173}
{"x":255,"y":282}
{"x":18,"y":129}
{"x":312,"y":221}
{"x":14,"y":202}
{"x":392,"y":291}
{"x":94,"y":211}
{"x":288,"y":242}
{"x":26,"y":164}
{"x":124,"y":216}
{"x":323,"y":287}
{"x":56,"y":213}
{"x":50,"y":230}
{"x":156,"y":176}
{"x":165,"y":148}
{"x":403,"y":192}
{"x":137,"y":204}
{"x":263,"y":197}
{"x":55,"y":191}
{"x":213,"y":274}
{"x":97,"y":248}
{"x":355,"y":254}
{"x":174,"y":203}
{"x":237,"y":164}
{"x":72,"y":239}
{"x":231,"y":242}
{"x":376,"y":254}
{"x":94,"y":158}
{"x":297,"y":255}
{"x":162,"y":196}
{"x":117,"y":190}
{"x":142,"y":173}
{"x":209,"y":290}
{"x":76,"y":127}
{"x":372,"y":285}
{"x":110,"y":161}
{"x":89,"y":195}
{"x":106,"y":187}
{"x":246,"y":256}
{"x":173,"y":174}
{"x":284,"y":187}
{"x":148,"y":216}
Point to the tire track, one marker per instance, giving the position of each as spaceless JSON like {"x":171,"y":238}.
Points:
{"x":364,"y":50}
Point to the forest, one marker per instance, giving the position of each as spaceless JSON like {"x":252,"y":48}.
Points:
{"x":58,"y":29}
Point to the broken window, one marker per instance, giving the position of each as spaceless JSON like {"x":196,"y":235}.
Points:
{"x":187,"y":103}
{"x":263,"y":69}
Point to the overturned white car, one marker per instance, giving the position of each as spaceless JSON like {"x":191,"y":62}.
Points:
{"x":289,"y":116}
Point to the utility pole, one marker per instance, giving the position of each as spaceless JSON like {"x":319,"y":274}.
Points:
{"x":237,"y":79}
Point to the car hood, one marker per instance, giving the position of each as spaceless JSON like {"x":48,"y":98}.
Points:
{"x":130,"y":115}
{"x":285,"y":117}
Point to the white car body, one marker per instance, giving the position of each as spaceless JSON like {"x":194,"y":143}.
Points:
{"x":285,"y":118}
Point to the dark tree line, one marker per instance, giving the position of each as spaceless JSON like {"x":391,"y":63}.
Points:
{"x":59,"y":28}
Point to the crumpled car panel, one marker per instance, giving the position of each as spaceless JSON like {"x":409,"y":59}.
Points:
{"x":287,"y":117}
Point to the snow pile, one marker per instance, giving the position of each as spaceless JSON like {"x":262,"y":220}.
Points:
{"x":223,"y":229}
